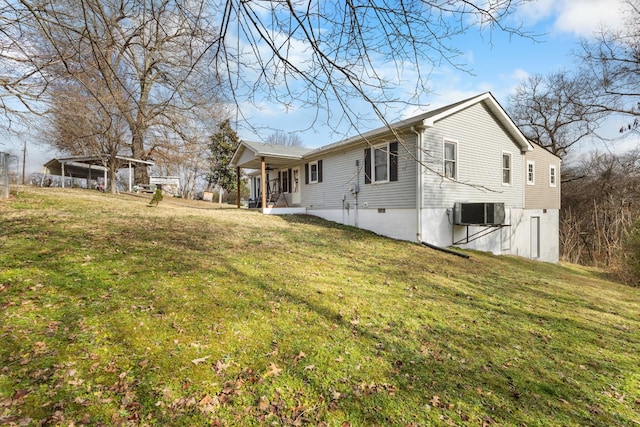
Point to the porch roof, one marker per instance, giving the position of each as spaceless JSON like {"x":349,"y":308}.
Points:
{"x":249,"y":153}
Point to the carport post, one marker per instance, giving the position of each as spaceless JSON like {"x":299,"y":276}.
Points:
{"x":130,"y":178}
{"x":62,"y":165}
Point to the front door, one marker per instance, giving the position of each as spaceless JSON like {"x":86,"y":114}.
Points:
{"x":295,"y":186}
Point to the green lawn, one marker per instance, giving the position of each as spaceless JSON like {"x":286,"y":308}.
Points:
{"x":115,"y":313}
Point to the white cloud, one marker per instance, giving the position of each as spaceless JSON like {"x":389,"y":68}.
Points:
{"x":585,"y":17}
{"x":576,"y":17}
{"x":533,"y":12}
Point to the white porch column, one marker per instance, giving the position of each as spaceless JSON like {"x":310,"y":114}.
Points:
{"x":238,"y":182}
{"x":263,"y":181}
{"x":62,"y":165}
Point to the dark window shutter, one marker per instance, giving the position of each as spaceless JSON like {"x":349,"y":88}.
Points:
{"x":280,"y":189}
{"x":289,"y":181}
{"x":306,"y":173}
{"x":319,"y":170}
{"x":367,"y":165}
{"x":393,"y":161}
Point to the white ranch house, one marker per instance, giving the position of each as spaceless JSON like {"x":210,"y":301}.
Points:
{"x":462,"y":175}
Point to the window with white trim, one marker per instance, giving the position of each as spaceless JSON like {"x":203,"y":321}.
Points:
{"x":313,"y":172}
{"x":506,"y":168}
{"x":552,"y":176}
{"x":381,"y":163}
{"x":450,"y":160}
{"x":531,"y":172}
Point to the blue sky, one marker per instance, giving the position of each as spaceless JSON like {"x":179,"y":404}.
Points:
{"x":496,"y":67}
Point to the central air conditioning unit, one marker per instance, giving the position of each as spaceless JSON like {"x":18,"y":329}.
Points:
{"x":478,"y":214}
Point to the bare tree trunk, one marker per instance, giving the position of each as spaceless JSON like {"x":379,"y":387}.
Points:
{"x":141,"y":176}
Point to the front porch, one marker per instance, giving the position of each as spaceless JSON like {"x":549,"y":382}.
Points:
{"x":274,"y":176}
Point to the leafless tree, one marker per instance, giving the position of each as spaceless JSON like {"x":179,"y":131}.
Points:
{"x":148,"y":55}
{"x":613,"y":61}
{"x":282,"y":138}
{"x":79,"y":126}
{"x":182,"y":149}
{"x":556,"y":111}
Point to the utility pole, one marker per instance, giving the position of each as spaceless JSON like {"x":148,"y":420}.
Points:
{"x":24,"y":160}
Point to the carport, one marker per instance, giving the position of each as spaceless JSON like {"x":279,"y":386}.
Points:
{"x":92,"y":167}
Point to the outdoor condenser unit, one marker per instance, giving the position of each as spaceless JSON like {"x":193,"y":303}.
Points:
{"x":478,"y":213}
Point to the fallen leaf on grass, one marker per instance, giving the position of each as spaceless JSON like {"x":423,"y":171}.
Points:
{"x":300,"y":356}
{"x":273,"y":370}
{"x":220,"y":367}
{"x":19,"y":394}
{"x":264,"y":403}
{"x":208,"y":404}
{"x":200,"y":360}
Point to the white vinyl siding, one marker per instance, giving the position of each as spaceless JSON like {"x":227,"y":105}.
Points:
{"x":340,"y":174}
{"x":478,"y":138}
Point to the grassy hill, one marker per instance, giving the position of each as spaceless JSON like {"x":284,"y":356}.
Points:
{"x":115,"y":313}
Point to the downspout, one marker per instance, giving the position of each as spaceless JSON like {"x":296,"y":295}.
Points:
{"x":356,"y":189}
{"x":419,"y":180}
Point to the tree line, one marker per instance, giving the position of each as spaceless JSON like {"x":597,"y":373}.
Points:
{"x":566,"y":109}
